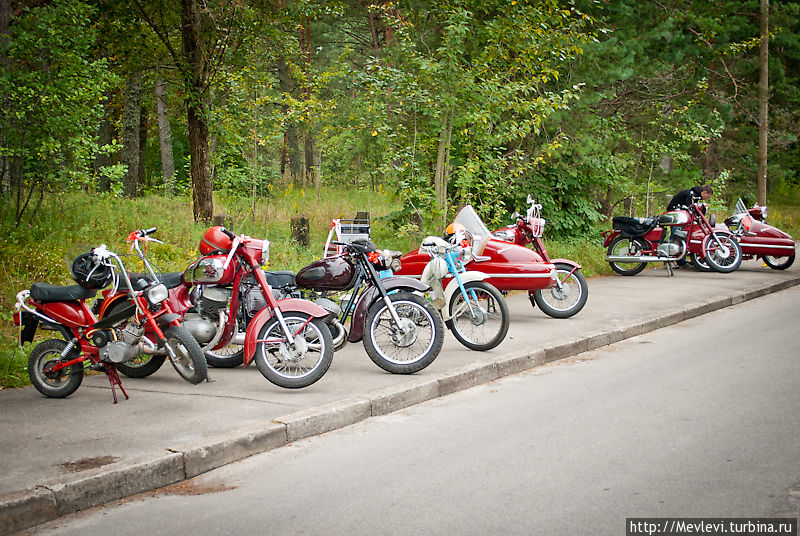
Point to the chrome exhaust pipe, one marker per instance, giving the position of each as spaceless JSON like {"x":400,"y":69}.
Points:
{"x":148,"y":347}
{"x":639,"y":258}
{"x":341,"y":333}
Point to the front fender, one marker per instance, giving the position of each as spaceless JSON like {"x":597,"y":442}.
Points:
{"x":572,"y":264}
{"x":452,"y":288}
{"x":371,"y":295}
{"x":288,"y":305}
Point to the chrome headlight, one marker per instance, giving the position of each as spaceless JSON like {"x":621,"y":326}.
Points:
{"x":157,"y":294}
{"x":265,"y":252}
{"x":395,"y":264}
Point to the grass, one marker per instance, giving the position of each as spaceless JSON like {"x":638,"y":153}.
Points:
{"x":35,"y":250}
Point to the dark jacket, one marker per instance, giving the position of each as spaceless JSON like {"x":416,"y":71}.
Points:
{"x":684,"y":198}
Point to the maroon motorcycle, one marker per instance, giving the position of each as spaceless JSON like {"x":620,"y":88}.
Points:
{"x":757,"y":239}
{"x":634,"y":242}
{"x":227,"y":304}
{"x":568,"y":296}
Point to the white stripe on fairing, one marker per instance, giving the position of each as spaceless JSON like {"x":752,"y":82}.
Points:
{"x":500,"y":276}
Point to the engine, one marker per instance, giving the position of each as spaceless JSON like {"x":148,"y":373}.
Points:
{"x":120,"y":344}
{"x":675,"y":246}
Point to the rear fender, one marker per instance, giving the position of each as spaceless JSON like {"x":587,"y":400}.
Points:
{"x":371,"y":295}
{"x":27,"y":322}
{"x":288,"y":305}
{"x":608,"y":236}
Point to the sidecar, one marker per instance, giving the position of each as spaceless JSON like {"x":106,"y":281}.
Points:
{"x":509,"y":266}
{"x":759,"y":239}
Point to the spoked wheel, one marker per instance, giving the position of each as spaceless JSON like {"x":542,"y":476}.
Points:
{"x":723,"y":252}
{"x":568,"y":300}
{"x":479,"y":322}
{"x":298,"y":364}
{"x":699,"y":263}
{"x":55,"y":384}
{"x":227,"y":357}
{"x":623,"y":246}
{"x":188,"y":359}
{"x":778,"y":263}
{"x":407,"y":348}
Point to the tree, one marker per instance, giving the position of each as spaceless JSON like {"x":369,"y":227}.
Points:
{"x":763,"y":103}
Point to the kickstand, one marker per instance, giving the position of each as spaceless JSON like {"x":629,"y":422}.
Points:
{"x":113,"y":379}
{"x":670,"y":271}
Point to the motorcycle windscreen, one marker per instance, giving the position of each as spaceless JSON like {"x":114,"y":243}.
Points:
{"x":474,"y":224}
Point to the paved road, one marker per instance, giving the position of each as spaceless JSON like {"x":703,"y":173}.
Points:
{"x":698,"y":419}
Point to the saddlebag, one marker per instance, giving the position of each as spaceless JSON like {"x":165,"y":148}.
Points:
{"x":633,"y":227}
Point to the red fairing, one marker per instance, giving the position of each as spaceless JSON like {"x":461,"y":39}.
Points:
{"x":510,"y":266}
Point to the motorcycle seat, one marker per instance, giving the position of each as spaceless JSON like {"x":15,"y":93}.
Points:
{"x":633,"y":227}
{"x":45,"y":293}
{"x":170,"y":280}
{"x":280,"y":278}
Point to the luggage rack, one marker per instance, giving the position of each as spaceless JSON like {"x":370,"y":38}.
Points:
{"x":346,"y":230}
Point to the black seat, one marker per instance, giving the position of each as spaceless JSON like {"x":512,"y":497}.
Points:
{"x":280,"y":278}
{"x":44,"y":293}
{"x":633,"y":227}
{"x":170,"y":280}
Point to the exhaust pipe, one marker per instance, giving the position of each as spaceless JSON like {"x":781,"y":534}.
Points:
{"x":148,"y":347}
{"x":339,"y":336}
{"x":640,"y":258}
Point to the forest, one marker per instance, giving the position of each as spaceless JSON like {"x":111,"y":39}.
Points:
{"x":591,"y":105}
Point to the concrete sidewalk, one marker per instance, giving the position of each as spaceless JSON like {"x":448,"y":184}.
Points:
{"x":58,"y":456}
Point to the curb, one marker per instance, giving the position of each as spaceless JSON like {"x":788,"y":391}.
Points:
{"x":66,"y":495}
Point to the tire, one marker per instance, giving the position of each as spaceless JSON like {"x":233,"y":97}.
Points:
{"x":226,"y":357}
{"x":700,"y":264}
{"x":303,"y":364}
{"x":490,"y":327}
{"x":189,"y":361}
{"x":722,"y":261}
{"x":54,"y":386}
{"x":624,"y":246}
{"x":778,"y":263}
{"x":417,"y":348}
{"x":570,"y":299}
{"x":142,"y":365}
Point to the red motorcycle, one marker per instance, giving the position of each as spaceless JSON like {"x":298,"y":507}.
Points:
{"x":56,"y":366}
{"x":757,"y":239}
{"x":568,"y":296}
{"x":509,"y":266}
{"x":227,"y":304}
{"x":634,"y":242}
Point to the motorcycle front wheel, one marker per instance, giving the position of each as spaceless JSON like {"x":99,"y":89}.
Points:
{"x":568,"y":300}
{"x":778,"y":263}
{"x":300,"y":363}
{"x":479,"y":322}
{"x":624,"y":246}
{"x":723,"y":252}
{"x":188,"y":361}
{"x":407,"y":348}
{"x":142,"y":365}
{"x":59,"y":384}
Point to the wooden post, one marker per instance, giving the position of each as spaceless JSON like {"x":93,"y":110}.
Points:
{"x":300,"y":231}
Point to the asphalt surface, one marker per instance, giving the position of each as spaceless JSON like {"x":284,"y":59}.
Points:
{"x":58,"y":456}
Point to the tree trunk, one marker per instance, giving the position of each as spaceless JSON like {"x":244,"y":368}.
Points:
{"x":143,"y":120}
{"x":763,"y":104}
{"x":195,"y":81}
{"x":442,"y":162}
{"x":708,"y":171}
{"x":131,"y":117}
{"x":6,"y":14}
{"x":165,"y":136}
{"x":291,"y":143}
{"x":310,"y":172}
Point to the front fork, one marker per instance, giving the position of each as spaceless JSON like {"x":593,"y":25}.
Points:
{"x":384,"y":295}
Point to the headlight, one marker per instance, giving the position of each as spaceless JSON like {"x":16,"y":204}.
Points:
{"x":265,"y":252}
{"x":466,"y":253}
{"x":157,"y":294}
{"x":395,"y":264}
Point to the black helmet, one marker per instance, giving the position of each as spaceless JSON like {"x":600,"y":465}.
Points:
{"x":89,"y":272}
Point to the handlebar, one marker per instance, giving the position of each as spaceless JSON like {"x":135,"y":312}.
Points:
{"x":227,"y":233}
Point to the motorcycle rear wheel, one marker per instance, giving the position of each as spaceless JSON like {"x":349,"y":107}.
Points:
{"x":408,"y":352}
{"x":700,"y":264}
{"x":313,"y":351}
{"x":722,"y":261}
{"x":54,"y":385}
{"x":568,"y":301}
{"x":622,"y":245}
{"x":778,"y":263}
{"x":189,"y":361}
{"x":490,"y":326}
{"x":226,"y":357}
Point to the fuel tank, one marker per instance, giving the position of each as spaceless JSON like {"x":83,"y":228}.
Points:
{"x":333,"y":273}
{"x":509,"y":266}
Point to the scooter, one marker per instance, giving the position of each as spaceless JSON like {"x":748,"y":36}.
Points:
{"x":568,"y":296}
{"x":472,"y":309}
{"x":634,"y":242}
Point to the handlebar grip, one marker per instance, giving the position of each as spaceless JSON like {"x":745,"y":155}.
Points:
{"x":150,"y":231}
{"x":227,"y":233}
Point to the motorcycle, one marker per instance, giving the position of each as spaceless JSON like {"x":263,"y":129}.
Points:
{"x":227,"y":304}
{"x":56,"y":366}
{"x":757,"y":239}
{"x":568,"y":296}
{"x":509,"y":266}
{"x":401,"y":331}
{"x":634,"y":242}
{"x":473,"y":310}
